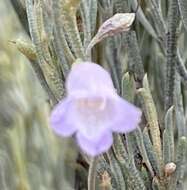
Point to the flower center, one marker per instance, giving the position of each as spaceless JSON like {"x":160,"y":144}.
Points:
{"x":91,"y":111}
{"x":96,"y":104}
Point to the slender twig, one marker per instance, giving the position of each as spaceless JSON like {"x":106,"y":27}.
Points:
{"x":171,"y":53}
{"x":36,"y":41}
{"x":92,"y":173}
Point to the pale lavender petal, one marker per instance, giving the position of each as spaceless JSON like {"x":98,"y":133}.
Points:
{"x":60,"y":118}
{"x":126,"y":116}
{"x":89,"y":78}
{"x":93,"y":116}
{"x":94,"y":148}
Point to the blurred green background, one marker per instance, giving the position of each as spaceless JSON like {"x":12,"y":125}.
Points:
{"x":31,"y":157}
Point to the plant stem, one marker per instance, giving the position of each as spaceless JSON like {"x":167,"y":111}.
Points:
{"x":92,"y":173}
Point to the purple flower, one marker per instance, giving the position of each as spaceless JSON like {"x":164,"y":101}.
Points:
{"x":92,"y":109}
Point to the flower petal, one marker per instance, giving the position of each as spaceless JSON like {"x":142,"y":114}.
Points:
{"x":97,"y":147}
{"x":127,"y":116}
{"x":60,"y":119}
{"x":89,"y":78}
{"x":93,"y":116}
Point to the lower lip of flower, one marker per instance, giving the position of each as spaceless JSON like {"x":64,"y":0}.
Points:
{"x":92,"y":111}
